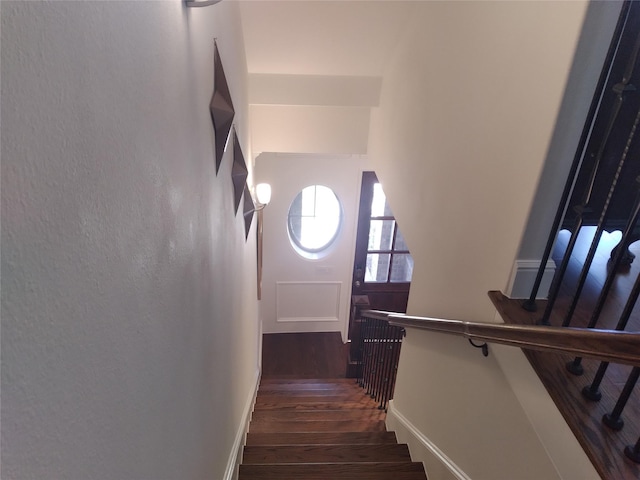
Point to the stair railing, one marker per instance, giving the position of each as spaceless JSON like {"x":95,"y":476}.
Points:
{"x":605,"y":345}
{"x":379,"y":346}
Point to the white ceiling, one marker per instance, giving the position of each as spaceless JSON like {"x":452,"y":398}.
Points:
{"x":322,"y":37}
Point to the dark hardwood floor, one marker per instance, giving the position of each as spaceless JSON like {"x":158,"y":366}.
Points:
{"x":603,"y":445}
{"x":304,"y":355}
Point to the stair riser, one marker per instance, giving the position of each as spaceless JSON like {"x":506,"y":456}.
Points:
{"x":305,"y":415}
{"x":294,"y":405}
{"x":325,"y":454}
{"x":326,"y":438}
{"x":349,"y":471}
{"x":316,"y":426}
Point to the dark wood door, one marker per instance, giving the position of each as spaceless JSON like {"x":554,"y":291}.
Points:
{"x":383,"y":265}
{"x":382,"y":268}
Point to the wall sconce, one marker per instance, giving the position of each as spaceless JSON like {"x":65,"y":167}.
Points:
{"x":263,"y":197}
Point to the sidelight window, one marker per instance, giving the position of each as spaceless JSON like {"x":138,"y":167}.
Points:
{"x":388,"y":257}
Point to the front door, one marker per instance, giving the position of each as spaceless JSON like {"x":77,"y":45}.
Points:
{"x":383,"y":265}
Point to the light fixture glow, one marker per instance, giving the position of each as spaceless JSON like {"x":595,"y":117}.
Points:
{"x":263,"y":193}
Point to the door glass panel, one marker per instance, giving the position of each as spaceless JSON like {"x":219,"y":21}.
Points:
{"x":380,"y":234}
{"x":379,"y":205}
{"x":402,"y":268}
{"x":377,"y":267}
{"x":400,"y":243}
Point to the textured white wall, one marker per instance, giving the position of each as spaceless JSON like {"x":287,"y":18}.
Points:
{"x":468,"y":107}
{"x":129,"y":319}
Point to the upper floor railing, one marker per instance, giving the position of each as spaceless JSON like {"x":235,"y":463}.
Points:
{"x":608,"y":346}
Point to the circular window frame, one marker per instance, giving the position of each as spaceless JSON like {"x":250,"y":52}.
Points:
{"x":324,"y":250}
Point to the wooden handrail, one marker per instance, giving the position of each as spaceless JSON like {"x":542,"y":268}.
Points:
{"x":606,"y":345}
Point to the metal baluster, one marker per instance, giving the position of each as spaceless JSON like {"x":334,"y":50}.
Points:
{"x":530,"y":304}
{"x":603,"y":215}
{"x":377,"y":357}
{"x":396,"y":361}
{"x":358,"y":325}
{"x":619,"y":89}
{"x":393,"y":363}
{"x":613,"y":420}
{"x":633,"y":452}
{"x":575,"y":366}
{"x":384,"y":332}
{"x":366,"y":354}
{"x":386,"y":366}
{"x":370,"y":356}
{"x":373,"y":355}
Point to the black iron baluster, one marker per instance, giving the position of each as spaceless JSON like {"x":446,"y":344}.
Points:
{"x":366,"y":355}
{"x":592,"y":391}
{"x":386,"y":366}
{"x":384,"y":331}
{"x":613,"y":420}
{"x":393,"y":363}
{"x":633,"y":452}
{"x":619,"y":89}
{"x":358,"y":326}
{"x":575,"y":366}
{"x":530,"y":303}
{"x":600,"y":228}
{"x":378,"y":356}
{"x":373,"y":356}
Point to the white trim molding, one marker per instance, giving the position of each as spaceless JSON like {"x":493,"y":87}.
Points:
{"x":523,"y":277}
{"x":406,"y":432}
{"x":308,"y":301}
{"x":235,"y":457}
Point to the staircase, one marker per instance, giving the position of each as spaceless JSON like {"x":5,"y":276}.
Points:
{"x":321,"y":429}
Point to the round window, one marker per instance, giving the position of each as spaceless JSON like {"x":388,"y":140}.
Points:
{"x":314,"y":220}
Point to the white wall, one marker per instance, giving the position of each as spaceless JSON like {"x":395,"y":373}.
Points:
{"x":468,"y":107}
{"x":309,"y":129}
{"x":129,"y":319}
{"x":298,"y":294}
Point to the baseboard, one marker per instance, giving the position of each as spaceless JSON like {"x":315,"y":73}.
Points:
{"x":523,"y":277}
{"x":235,"y":457}
{"x":437,"y":464}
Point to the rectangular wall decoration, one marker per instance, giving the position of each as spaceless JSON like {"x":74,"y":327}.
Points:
{"x":308,"y":301}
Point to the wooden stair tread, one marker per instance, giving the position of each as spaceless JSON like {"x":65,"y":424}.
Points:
{"x":306,"y":397}
{"x":334,"y":471}
{"x":330,"y":438}
{"x":302,"y":381}
{"x":320,"y":405}
{"x":276,"y":387}
{"x":317,"y":426}
{"x":300,"y":415}
{"x":320,"y":393}
{"x":269,"y":454}
{"x":321,"y":429}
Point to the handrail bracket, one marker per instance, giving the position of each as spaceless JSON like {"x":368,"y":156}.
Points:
{"x":484,"y":347}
